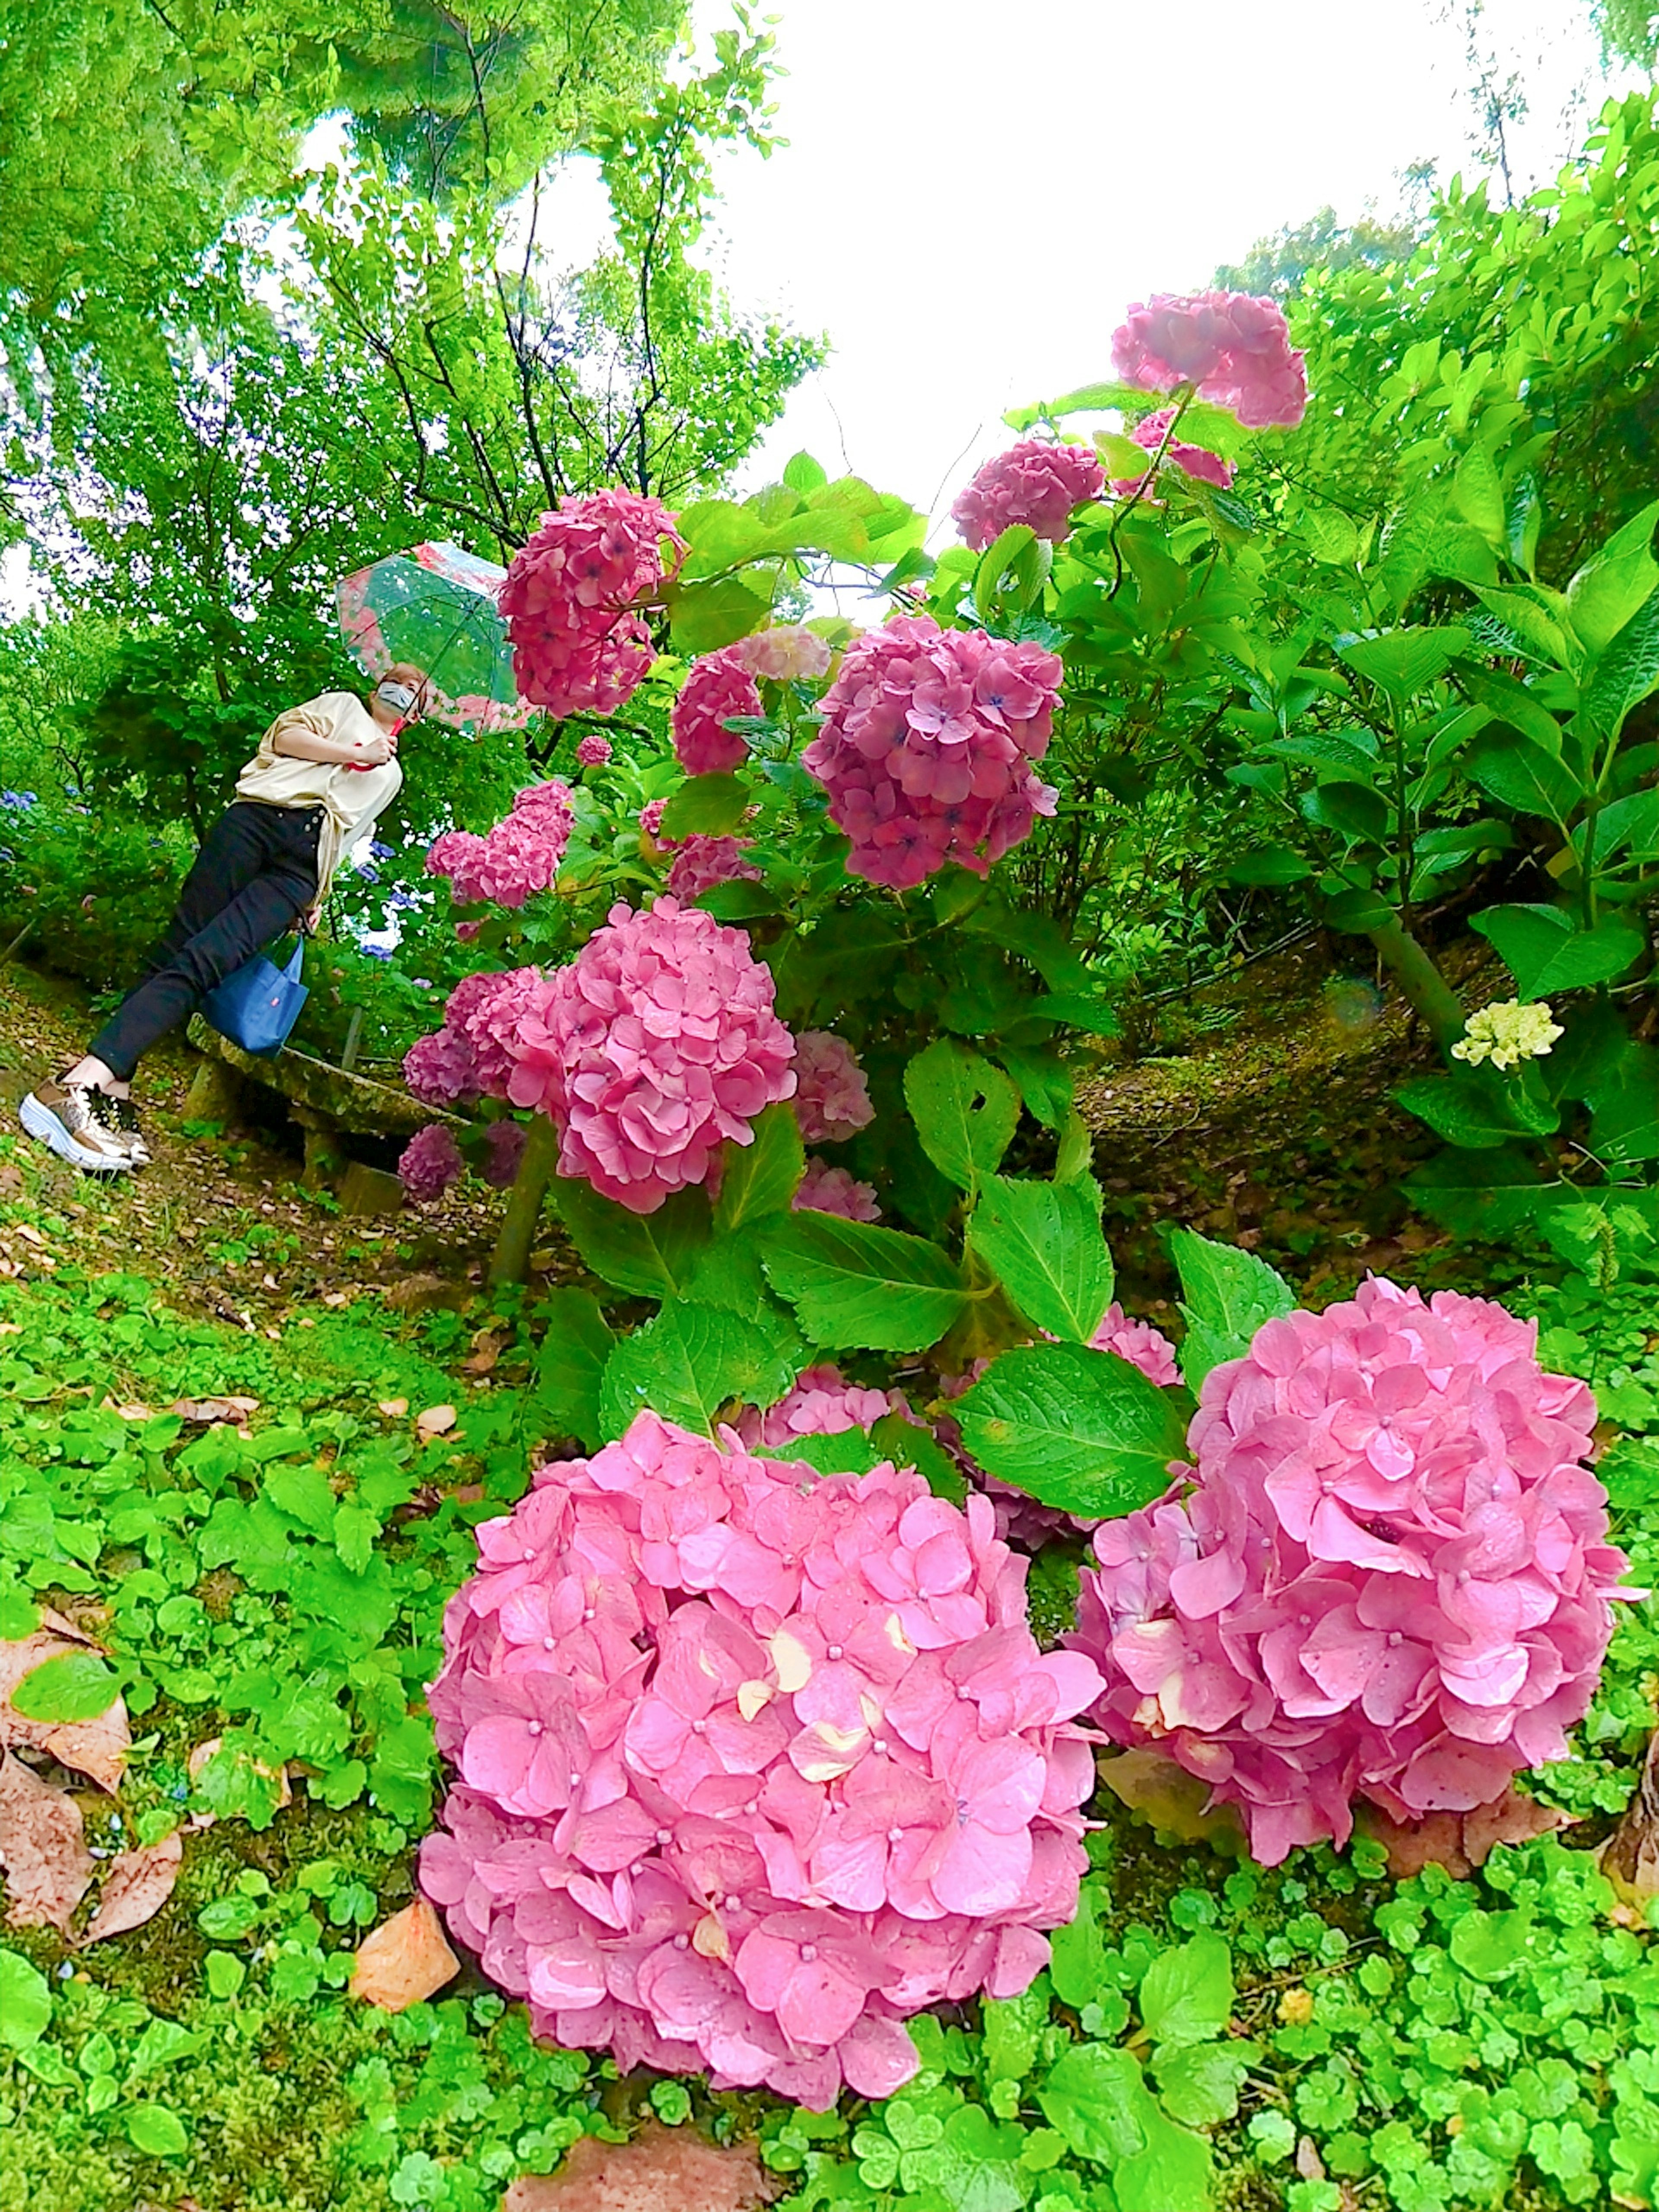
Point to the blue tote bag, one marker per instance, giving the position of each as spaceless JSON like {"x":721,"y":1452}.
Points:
{"x":257,"y":1006}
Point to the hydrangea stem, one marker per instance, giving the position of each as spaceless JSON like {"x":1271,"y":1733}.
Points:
{"x":510,"y":1262}
{"x":1427,"y":992}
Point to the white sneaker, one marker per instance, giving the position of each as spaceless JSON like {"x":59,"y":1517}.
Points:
{"x":75,"y":1120}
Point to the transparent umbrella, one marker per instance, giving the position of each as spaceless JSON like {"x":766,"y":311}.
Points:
{"x":434,"y":605}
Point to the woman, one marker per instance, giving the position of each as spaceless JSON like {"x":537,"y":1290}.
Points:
{"x":323,"y":776}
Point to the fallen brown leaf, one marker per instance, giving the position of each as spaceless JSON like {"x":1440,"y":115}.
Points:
{"x":97,"y":1748}
{"x":394,"y":1408}
{"x":1459,"y":1842}
{"x":138,"y":1885}
{"x":436,"y":1421}
{"x":1630,"y":1857}
{"x":661,"y":2170}
{"x":43,"y":1848}
{"x":209,"y":1410}
{"x":1155,"y":1785}
{"x":482,"y":1360}
{"x":403,"y":1959}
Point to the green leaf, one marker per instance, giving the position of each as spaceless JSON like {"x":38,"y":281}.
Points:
{"x":1406,"y":660}
{"x":705,"y":617}
{"x":1612,"y":585}
{"x":707,"y":806}
{"x":1478,"y":494}
{"x":908,"y":1444}
{"x":1077,"y":1429}
{"x":25,"y":2002}
{"x":1095,"y":2096}
{"x":1200,"y":2085}
{"x":1274,"y":865}
{"x":858,"y":1286}
{"x":1044,"y":1080}
{"x":155,"y":2130}
{"x":1009,"y":552}
{"x":652,"y":1255}
{"x":1226,"y":1296}
{"x":77,"y":1687}
{"x":1535,"y":616}
{"x":1484,"y":1193}
{"x":1521,"y":774}
{"x":760,"y":1177}
{"x":802,"y":473}
{"x":1332,"y":536}
{"x":1186,"y":1994}
{"x":1623,"y":676}
{"x":1044,"y":1243}
{"x":1077,"y":1964}
{"x":965,"y":1110}
{"x":226,"y":1974}
{"x":1479,"y":1108}
{"x":571,"y":1363}
{"x":685,"y":1363}
{"x":1545,"y":952}
{"x":1174,"y":2173}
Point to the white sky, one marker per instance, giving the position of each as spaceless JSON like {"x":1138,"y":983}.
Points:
{"x":973,"y":191}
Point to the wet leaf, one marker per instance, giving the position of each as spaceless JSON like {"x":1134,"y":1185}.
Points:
{"x":403,"y":1959}
{"x":136,"y":1887}
{"x":97,"y":1747}
{"x":43,"y":1850}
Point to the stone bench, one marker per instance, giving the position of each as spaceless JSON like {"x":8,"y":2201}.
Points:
{"x":328,"y":1103}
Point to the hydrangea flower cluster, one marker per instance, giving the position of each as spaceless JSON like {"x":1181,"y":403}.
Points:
{"x":788,"y":652}
{"x":439,"y":1070}
{"x":832,"y":1097}
{"x":825,"y":1189}
{"x":1195,"y":461}
{"x":650,"y":1049}
{"x":576,"y":646}
{"x":716,"y":687}
{"x":927,"y":748}
{"x":431,"y":1161}
{"x":822,"y":1403}
{"x":700,"y":862}
{"x":504,"y":1144}
{"x":1232,"y":347}
{"x":752,"y":1764}
{"x":1389,"y":1578}
{"x":519,"y":856}
{"x":1035,"y":482}
{"x":593,"y":750}
{"x":1506,"y":1033}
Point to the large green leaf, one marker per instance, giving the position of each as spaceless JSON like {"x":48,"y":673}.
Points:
{"x":1094,"y":2094}
{"x":1611,"y":585}
{"x":1629,"y":825}
{"x":1406,"y":660}
{"x":1625,"y":675}
{"x":1044,"y":1080}
{"x":76,"y":1686}
{"x":1520,"y":773}
{"x":571,"y":1363}
{"x":1044,"y":1241}
{"x":856,"y":1285}
{"x":1479,"y":1106}
{"x":1226,"y":1296}
{"x":652,"y":1255}
{"x":1077,"y":1429}
{"x":685,"y":1363}
{"x":1174,"y":2173}
{"x":1536,"y":617}
{"x":707,"y":806}
{"x":760,"y":1178}
{"x":1545,"y":952}
{"x":1484,"y":1193}
{"x":705,"y":617}
{"x":965,"y":1110}
{"x":1186,"y":1993}
{"x":1477,"y":494}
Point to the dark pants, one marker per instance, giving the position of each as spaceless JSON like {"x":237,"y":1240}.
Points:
{"x":255,"y":875}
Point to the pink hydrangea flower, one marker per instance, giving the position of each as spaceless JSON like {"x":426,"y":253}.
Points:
{"x":431,"y":1161}
{"x":700,"y":862}
{"x":1195,"y":461}
{"x":593,"y":750}
{"x":825,"y":1189}
{"x":519,"y":856}
{"x":927,"y":748}
{"x":504,"y":1144}
{"x":485,"y":1011}
{"x":653,"y":1046}
{"x":716,"y":687}
{"x":752,"y":1763}
{"x":441,"y":1069}
{"x":1034,"y":483}
{"x":1139,"y":1343}
{"x":822,"y":1403}
{"x":1386,"y":1575}
{"x":568,"y":600}
{"x":1233,"y":347}
{"x":832,"y":1098}
{"x":788,"y":652}
{"x":651,"y":816}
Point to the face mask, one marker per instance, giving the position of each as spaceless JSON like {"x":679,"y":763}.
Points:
{"x":398,"y":697}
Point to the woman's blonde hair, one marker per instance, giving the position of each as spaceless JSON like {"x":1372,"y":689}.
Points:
{"x":405,"y":672}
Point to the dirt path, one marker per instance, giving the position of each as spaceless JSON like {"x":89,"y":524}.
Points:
{"x":220,"y":1222}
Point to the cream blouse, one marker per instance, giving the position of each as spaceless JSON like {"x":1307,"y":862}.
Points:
{"x":352,"y":798}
